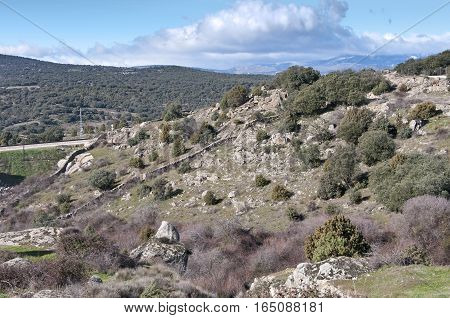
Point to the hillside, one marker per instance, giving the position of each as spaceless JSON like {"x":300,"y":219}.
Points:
{"x":35,"y":94}
{"x":433,"y":65}
{"x":348,"y":170}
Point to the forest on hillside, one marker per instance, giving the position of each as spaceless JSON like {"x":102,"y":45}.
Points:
{"x":35,"y":95}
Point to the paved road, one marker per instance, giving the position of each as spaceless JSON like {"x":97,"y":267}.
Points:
{"x":46,"y":145}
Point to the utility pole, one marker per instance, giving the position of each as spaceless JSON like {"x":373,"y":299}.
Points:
{"x":81,"y":125}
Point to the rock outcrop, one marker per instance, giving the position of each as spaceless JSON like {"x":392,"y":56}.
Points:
{"x":39,"y":237}
{"x":164,"y":246}
{"x":82,"y":162}
{"x":310,"y":279}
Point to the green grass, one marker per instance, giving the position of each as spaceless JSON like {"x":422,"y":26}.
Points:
{"x":31,"y":253}
{"x":416,"y":281}
{"x":2,"y":295}
{"x":31,"y":162}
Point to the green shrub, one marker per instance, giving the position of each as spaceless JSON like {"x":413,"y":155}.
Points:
{"x":355,"y":197}
{"x":383,"y":87}
{"x":162,"y":190}
{"x":172,"y":111}
{"x":144,"y":190}
{"x":257,"y":91}
{"x":261,"y":181}
{"x":289,"y":124}
{"x":140,"y":136}
{"x":294,"y":215}
{"x":64,"y":207}
{"x":103,"y":179}
{"x":235,"y":97}
{"x":405,"y":177}
{"x":154,"y":291}
{"x":403,"y":88}
{"x":404,"y":132}
{"x":332,"y":209}
{"x":355,"y":122}
{"x":63,"y":198}
{"x":137,"y":162}
{"x":423,"y":111}
{"x":204,"y":135}
{"x":146,"y":232}
{"x":153,"y":156}
{"x":280,"y":193}
{"x":184,"y":167}
{"x":178,"y":147}
{"x":295,"y":77}
{"x":309,"y":155}
{"x":210,"y":198}
{"x":414,"y":255}
{"x":261,"y":135}
{"x":375,"y":146}
{"x":382,"y":123}
{"x":337,"y":237}
{"x":338,"y":174}
{"x":309,"y":101}
{"x":165,"y":135}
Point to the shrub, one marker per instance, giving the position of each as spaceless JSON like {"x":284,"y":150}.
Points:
{"x":382,"y":123}
{"x":262,"y":135}
{"x":404,"y":132}
{"x":146,"y":232}
{"x":339,"y":171}
{"x":64,"y":208}
{"x":153,"y":156}
{"x":295,"y":77}
{"x":257,"y":91}
{"x":154,"y":291}
{"x":309,"y":155}
{"x":355,"y":197}
{"x":427,"y":220}
{"x":289,"y":124}
{"x":162,"y":189}
{"x":165,"y":136}
{"x":235,"y":97}
{"x":423,"y":111}
{"x":383,"y":87}
{"x":178,"y":147}
{"x":103,"y":179}
{"x":337,"y":237}
{"x":184,"y":167}
{"x":204,"y":135}
{"x":140,"y":136}
{"x":280,"y":193}
{"x":355,"y":122}
{"x":261,"y":181}
{"x":414,"y":255}
{"x":405,"y":177}
{"x":403,"y":88}
{"x":375,"y":146}
{"x":294,"y":215}
{"x":210,"y":198}
{"x":332,"y":209}
{"x":309,"y":101}
{"x":172,"y":111}
{"x":63,"y":198}
{"x":137,"y":162}
{"x":144,"y":190}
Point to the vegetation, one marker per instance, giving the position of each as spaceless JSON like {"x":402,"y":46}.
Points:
{"x":337,"y":237}
{"x":137,"y":162}
{"x":50,"y":95}
{"x":262,"y":135}
{"x":261,"y":181}
{"x":355,"y":197}
{"x":405,"y":177}
{"x":235,"y":97}
{"x":172,"y":111}
{"x":162,"y":189}
{"x":204,"y":135}
{"x":140,"y":136}
{"x":295,"y":78}
{"x":423,"y":111}
{"x":432,"y":65}
{"x":339,"y":172}
{"x":355,"y":122}
{"x":293,"y":214}
{"x":103,"y":179}
{"x":178,"y":147}
{"x":153,"y":156}
{"x":184,"y":167}
{"x":280,"y":193}
{"x":383,"y":86}
{"x":375,"y":146}
{"x":210,"y":198}
{"x":309,"y":155}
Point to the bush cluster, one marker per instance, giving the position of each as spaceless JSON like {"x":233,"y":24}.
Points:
{"x":405,"y":177}
{"x":295,"y":77}
{"x":162,"y":189}
{"x":261,"y":181}
{"x":235,"y":97}
{"x":172,"y":111}
{"x":178,"y":147}
{"x":103,"y":179}
{"x":280,"y":193}
{"x":423,"y":111}
{"x":375,"y":146}
{"x":355,"y":122}
{"x":210,"y":198}
{"x":204,"y":135}
{"x":137,"y":162}
{"x":262,"y":135}
{"x":309,"y":155}
{"x":337,"y":237}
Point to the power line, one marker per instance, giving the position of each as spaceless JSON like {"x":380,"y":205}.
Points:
{"x":401,"y":33}
{"x":47,"y":32}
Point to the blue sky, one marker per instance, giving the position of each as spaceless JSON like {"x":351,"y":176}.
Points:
{"x":219,"y":33}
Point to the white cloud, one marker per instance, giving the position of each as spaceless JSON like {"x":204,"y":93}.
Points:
{"x":249,"y":32}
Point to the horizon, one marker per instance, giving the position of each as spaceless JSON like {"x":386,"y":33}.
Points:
{"x":219,"y":35}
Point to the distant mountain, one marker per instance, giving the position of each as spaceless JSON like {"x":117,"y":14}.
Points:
{"x":357,"y":62}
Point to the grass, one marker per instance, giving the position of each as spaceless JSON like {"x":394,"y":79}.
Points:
{"x":2,"y":295}
{"x":416,"y":281}
{"x":30,"y":162}
{"x":31,"y":253}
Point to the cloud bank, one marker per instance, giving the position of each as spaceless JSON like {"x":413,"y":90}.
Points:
{"x":250,"y":32}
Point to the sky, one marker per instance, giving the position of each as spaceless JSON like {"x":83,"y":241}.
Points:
{"x":219,"y":33}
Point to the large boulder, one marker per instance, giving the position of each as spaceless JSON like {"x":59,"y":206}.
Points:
{"x":82,"y":162}
{"x":167,"y":233}
{"x":309,"y":279}
{"x":175,"y":254}
{"x":16,"y":263}
{"x":39,"y":237}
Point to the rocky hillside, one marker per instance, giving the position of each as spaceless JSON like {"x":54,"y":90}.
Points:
{"x":246,"y":186}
